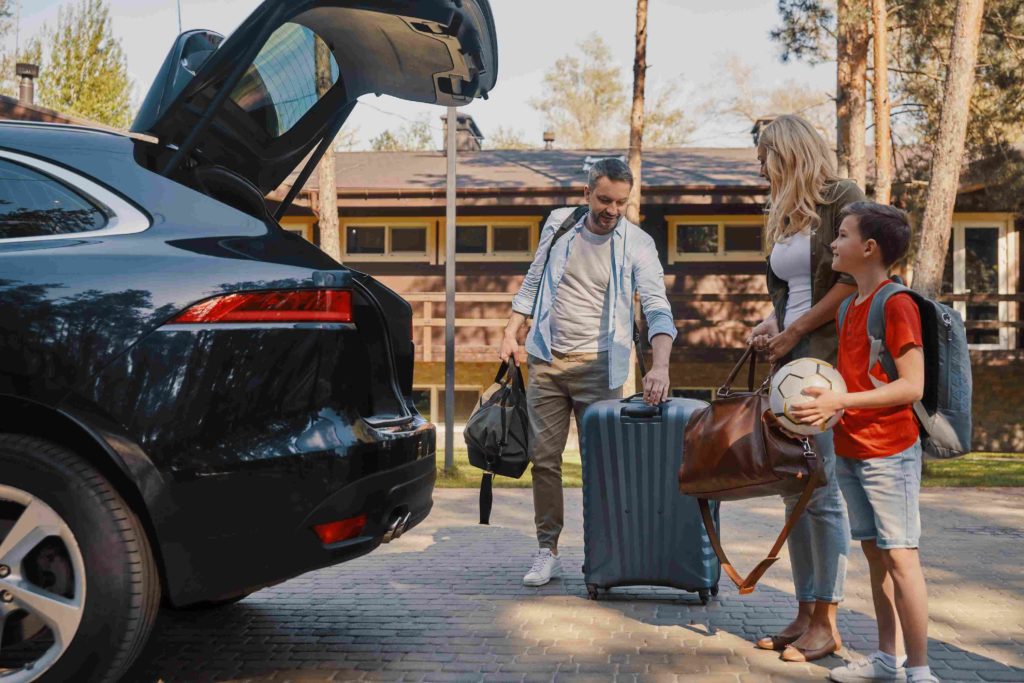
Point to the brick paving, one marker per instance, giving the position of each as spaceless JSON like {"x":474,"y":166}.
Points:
{"x":445,"y":603}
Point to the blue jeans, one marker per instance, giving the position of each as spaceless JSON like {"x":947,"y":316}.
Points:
{"x":883,"y":495}
{"x":820,"y":540}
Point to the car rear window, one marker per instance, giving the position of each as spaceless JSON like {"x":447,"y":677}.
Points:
{"x":280,"y":86}
{"x":33,"y":204}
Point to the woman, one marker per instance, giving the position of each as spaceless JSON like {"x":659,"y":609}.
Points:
{"x":802,"y":220}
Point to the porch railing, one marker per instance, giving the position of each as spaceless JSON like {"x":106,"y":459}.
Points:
{"x":428,"y":315}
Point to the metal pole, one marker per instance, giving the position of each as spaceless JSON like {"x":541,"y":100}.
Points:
{"x":449,"y":301}
{"x":179,"y":17}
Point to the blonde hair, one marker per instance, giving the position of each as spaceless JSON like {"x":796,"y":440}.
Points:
{"x":799,"y":165}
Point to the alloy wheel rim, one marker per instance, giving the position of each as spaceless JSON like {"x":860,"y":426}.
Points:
{"x":38,"y":543}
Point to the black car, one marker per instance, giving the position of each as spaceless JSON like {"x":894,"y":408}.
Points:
{"x":195,"y":403}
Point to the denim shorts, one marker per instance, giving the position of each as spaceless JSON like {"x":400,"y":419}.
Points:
{"x":883,"y":497}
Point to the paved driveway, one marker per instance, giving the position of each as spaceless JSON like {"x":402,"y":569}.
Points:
{"x":445,"y":603}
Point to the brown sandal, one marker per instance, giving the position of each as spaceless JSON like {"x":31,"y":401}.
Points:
{"x":776,"y":643}
{"x":793,"y":653}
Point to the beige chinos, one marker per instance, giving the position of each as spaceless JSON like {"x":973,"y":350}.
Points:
{"x":566,"y":386}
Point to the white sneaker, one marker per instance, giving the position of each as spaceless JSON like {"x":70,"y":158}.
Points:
{"x":871,"y":668}
{"x":926,"y":678}
{"x":545,"y":565}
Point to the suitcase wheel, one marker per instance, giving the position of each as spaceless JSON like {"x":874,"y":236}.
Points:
{"x":592,"y":591}
{"x":705,"y":596}
{"x":714,"y":589}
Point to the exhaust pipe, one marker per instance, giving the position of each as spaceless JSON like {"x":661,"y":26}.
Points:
{"x":396,"y":528}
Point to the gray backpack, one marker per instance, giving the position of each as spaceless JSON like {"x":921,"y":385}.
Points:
{"x":944,"y":413}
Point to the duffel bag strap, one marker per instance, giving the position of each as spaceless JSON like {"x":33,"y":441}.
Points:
{"x":747,"y":585}
{"x":486,"y":497}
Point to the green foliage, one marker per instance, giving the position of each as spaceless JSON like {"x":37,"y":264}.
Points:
{"x":920,"y":37}
{"x":586,"y":103}
{"x":84,"y":71}
{"x":507,"y":138}
{"x":414,"y":136}
{"x":585,"y":99}
{"x":807,"y":32}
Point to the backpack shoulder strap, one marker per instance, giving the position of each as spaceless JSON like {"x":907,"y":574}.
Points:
{"x":844,"y":308}
{"x":876,"y":332}
{"x":571,"y":220}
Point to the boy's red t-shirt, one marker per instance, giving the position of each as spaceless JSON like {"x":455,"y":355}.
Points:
{"x":875,"y":432}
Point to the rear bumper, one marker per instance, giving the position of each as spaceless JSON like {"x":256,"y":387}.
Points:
{"x":244,"y":563}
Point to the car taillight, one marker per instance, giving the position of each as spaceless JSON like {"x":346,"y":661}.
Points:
{"x":283,"y":306}
{"x":342,"y":530}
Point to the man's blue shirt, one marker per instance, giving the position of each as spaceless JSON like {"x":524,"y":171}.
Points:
{"x":635,"y":269}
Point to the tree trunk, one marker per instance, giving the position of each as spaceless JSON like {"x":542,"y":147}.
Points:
{"x":948,"y":150}
{"x":636,"y":142}
{"x":880,"y":90}
{"x":636,"y":116}
{"x":327,"y":211}
{"x":851,"y":88}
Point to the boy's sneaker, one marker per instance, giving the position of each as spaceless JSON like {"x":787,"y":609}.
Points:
{"x":871,"y":668}
{"x":545,"y":565}
{"x":923,"y":678}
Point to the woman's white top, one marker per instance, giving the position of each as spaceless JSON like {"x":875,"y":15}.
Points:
{"x":791,"y":261}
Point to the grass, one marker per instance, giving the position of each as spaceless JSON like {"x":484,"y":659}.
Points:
{"x":974,"y":469}
{"x":467,"y":476}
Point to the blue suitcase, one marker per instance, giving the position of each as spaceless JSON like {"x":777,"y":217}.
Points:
{"x":638,"y":530}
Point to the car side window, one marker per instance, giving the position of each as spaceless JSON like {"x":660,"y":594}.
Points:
{"x":34,"y":204}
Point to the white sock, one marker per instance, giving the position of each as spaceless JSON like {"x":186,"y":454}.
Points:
{"x":915,"y":671}
{"x":891,"y":660}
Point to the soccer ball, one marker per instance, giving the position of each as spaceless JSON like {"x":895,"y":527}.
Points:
{"x":787,"y":387}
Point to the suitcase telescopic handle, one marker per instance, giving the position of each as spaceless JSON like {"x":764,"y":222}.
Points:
{"x":641,"y":409}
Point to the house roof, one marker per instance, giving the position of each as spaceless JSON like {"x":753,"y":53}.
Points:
{"x":515,"y":170}
{"x":12,"y":108}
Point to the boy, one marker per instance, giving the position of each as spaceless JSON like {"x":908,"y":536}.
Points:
{"x":879,"y":463}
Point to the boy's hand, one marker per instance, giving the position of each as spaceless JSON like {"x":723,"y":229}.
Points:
{"x":826,"y":403}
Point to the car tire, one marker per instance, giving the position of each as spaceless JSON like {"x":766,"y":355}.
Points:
{"x":88,"y":550}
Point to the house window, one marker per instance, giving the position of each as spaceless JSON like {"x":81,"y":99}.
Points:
{"x":979,"y":262}
{"x":716,"y":238}
{"x":303,"y":229}
{"x":496,"y":239}
{"x":394,"y":240}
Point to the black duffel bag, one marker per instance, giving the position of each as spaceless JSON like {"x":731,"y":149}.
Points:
{"x":497,"y":434}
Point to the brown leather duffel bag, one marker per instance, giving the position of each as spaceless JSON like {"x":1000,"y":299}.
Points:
{"x":736,"y":449}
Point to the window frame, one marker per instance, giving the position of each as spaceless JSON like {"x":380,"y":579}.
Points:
{"x":1006,"y":254}
{"x":389,"y":224}
{"x":721,"y":220}
{"x":491,"y":222}
{"x":123,"y":218}
{"x":300,"y":225}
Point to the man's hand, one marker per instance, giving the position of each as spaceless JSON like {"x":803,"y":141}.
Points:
{"x":826,"y":403}
{"x":510,"y":349}
{"x":656,"y":386}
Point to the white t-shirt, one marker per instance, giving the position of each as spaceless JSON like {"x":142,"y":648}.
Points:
{"x":579,"y":314}
{"x":791,"y":261}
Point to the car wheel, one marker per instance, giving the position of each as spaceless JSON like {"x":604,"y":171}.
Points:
{"x":79,"y":589}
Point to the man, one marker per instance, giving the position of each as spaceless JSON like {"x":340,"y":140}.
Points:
{"x":579,"y":344}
